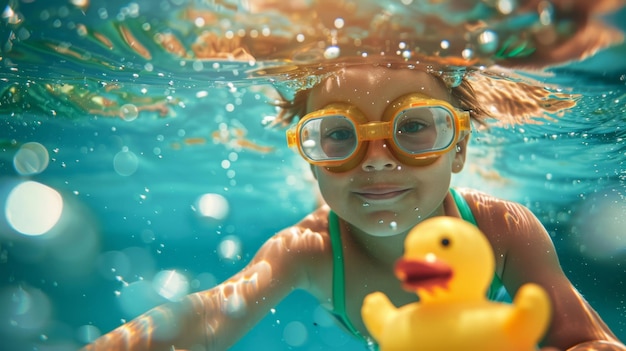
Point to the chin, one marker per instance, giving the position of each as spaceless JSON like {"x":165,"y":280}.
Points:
{"x":381,"y":226}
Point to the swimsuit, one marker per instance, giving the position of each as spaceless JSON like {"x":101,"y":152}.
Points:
{"x":496,"y":292}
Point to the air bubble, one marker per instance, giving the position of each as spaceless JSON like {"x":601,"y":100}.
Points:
{"x":32,"y":158}
{"x":295,"y":334}
{"x":467,"y":54}
{"x":488,"y":41}
{"x":129,"y":112}
{"x":125,"y":163}
{"x":332,"y":52}
{"x":339,"y":23}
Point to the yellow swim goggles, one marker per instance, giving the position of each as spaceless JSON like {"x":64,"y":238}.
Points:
{"x":418,"y":130}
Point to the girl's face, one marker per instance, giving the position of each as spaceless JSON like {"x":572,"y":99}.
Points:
{"x":381,"y":196}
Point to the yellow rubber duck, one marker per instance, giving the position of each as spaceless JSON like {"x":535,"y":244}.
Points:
{"x":449,"y":263}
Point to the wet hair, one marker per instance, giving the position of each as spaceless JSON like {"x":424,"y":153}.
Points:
{"x":463,"y":97}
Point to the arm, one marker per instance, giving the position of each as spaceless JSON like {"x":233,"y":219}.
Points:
{"x":530,"y":257}
{"x":217,"y":318}
{"x":525,"y":253}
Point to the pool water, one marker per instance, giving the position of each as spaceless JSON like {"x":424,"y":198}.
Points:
{"x":129,"y":179}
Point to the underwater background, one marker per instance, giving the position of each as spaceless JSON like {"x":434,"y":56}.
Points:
{"x":136,"y":167}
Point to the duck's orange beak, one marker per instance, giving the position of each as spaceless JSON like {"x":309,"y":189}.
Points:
{"x":419,"y":274}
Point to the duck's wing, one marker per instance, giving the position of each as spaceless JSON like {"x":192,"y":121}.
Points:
{"x":376,"y":311}
{"x":531,"y":314}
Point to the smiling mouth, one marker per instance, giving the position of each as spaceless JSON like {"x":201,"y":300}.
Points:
{"x":381,"y":194}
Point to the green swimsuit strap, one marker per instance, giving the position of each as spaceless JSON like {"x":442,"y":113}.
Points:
{"x":467,"y":215}
{"x":339,"y":293}
{"x":463,"y":206}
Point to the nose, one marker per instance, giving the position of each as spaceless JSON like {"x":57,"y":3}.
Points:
{"x":378,"y":157}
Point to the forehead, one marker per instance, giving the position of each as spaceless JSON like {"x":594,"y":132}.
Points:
{"x":369,"y":87}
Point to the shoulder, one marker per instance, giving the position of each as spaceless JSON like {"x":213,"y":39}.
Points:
{"x":300,"y":250}
{"x":491,"y":211}
{"x":512,"y":229}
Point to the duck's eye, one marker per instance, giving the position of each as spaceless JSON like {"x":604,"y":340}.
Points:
{"x":445,"y":242}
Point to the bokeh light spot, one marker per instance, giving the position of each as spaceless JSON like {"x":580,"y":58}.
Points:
{"x":171,"y":285}
{"x":138,"y":297}
{"x":295,"y":334}
{"x":23,"y":309}
{"x":230,"y":247}
{"x":33,"y":208}
{"x":88,"y":333}
{"x":31,"y":158}
{"x":213,"y":206}
{"x":125,"y":163}
{"x":602,"y":233}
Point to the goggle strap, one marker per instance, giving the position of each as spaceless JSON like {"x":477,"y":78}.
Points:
{"x":292,"y":137}
{"x":464,"y":121}
{"x":465,"y":124}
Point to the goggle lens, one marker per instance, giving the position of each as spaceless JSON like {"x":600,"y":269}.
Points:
{"x":423,"y":129}
{"x":328,"y":138}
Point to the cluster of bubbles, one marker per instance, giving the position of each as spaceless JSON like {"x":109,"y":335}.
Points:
{"x":39,"y":225}
{"x":30,"y":208}
{"x":42,"y":222}
{"x":33,"y":208}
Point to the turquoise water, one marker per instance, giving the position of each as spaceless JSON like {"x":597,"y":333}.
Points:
{"x":189,"y":188}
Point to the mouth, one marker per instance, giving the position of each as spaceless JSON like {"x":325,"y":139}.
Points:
{"x":381,"y":193}
{"x":418,"y":274}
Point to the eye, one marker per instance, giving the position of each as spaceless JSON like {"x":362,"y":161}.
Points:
{"x":340,"y":134}
{"x":411,"y":127}
{"x":445,"y":242}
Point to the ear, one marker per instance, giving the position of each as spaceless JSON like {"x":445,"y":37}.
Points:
{"x":460,"y":153}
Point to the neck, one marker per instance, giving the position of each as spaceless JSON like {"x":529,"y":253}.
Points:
{"x":385,"y":249}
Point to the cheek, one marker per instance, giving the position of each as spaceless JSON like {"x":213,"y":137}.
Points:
{"x":326,"y":182}
{"x":439,"y":173}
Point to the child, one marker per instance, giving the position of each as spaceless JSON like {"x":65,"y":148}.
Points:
{"x":377,"y":186}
